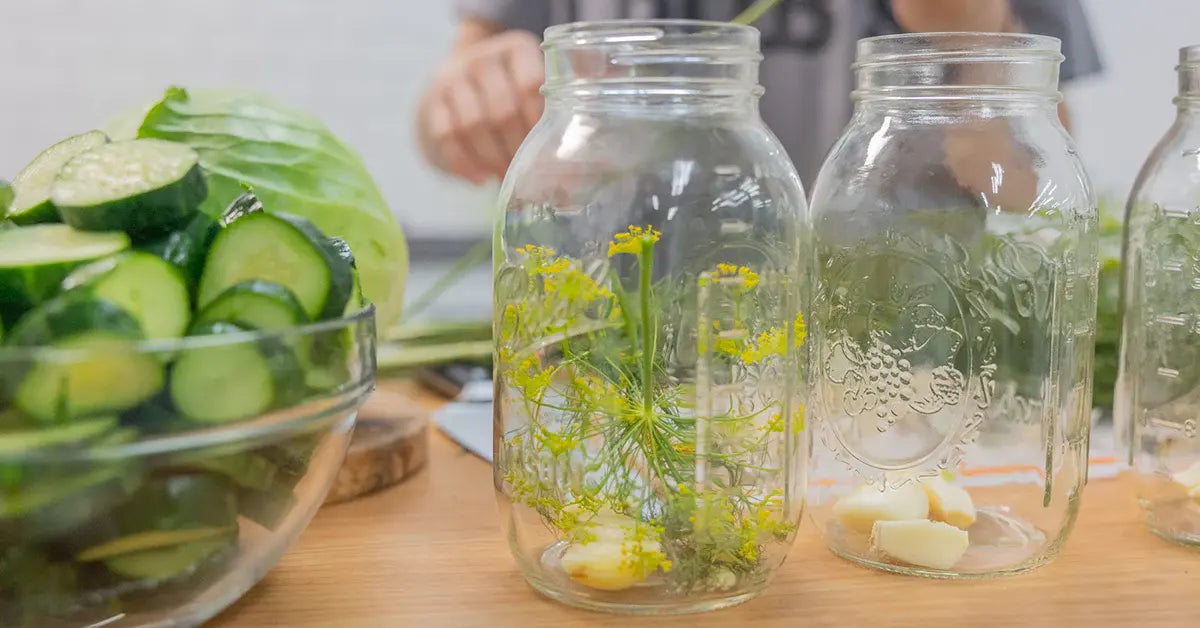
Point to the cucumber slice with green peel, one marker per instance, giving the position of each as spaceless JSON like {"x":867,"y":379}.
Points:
{"x":31,"y":187}
{"x":152,"y":539}
{"x":186,"y":247}
{"x":70,"y":315}
{"x":143,"y":187}
{"x":167,"y":563}
{"x":6,"y":196}
{"x":34,"y":260}
{"x":108,"y":375}
{"x":69,"y":434}
{"x":256,"y":304}
{"x":245,"y":469}
{"x":355,"y":302}
{"x":246,"y":203}
{"x":284,"y":249}
{"x":231,"y":382}
{"x":342,"y":248}
{"x":44,"y":507}
{"x":115,"y":379}
{"x":152,"y":290}
{"x":178,"y":502}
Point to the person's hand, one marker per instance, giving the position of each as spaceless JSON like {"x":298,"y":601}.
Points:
{"x":481,"y":104}
{"x":923,"y":16}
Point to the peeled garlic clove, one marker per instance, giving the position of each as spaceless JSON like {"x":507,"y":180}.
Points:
{"x":601,"y":565}
{"x":931,"y":544}
{"x":862,"y":507}
{"x":607,"y":525}
{"x":949,"y":502}
{"x":1189,"y":478}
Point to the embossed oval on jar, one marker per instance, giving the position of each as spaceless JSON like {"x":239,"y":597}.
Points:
{"x":895,"y":360}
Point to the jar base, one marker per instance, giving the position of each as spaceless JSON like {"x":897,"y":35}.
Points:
{"x":1002,"y":544}
{"x":644,"y":604}
{"x":1176,"y":520}
{"x":652,"y":597}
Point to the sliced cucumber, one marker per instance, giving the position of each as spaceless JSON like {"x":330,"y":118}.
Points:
{"x":342,"y":248}
{"x":179,"y":502}
{"x":150,"y":539}
{"x":110,"y":377}
{"x":48,"y":506}
{"x":34,"y":260}
{"x":31,"y":201}
{"x":152,"y":290}
{"x":186,"y":247}
{"x":256,"y":304}
{"x":143,"y":187}
{"x":230,"y":382}
{"x":246,"y":469}
{"x":69,"y":434}
{"x":355,"y":302}
{"x":167,"y":562}
{"x":6,"y":196}
{"x":284,"y":249}
{"x":246,"y":203}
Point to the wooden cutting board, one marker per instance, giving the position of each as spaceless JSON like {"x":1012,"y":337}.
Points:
{"x":390,"y":443}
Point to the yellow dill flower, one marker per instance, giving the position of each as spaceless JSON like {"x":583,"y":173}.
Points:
{"x":769,"y":343}
{"x":685,"y":449}
{"x":631,"y":241}
{"x":775,"y":424}
{"x":725,"y":344}
{"x":733,"y":271}
{"x":530,"y":379}
{"x":800,"y":330}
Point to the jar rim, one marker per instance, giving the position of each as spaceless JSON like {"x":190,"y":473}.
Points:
{"x":1189,"y":57}
{"x":959,"y":46}
{"x":705,"y":33}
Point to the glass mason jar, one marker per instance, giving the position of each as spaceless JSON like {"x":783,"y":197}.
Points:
{"x":649,"y":441}
{"x":954,"y":314}
{"x":1156,"y":411}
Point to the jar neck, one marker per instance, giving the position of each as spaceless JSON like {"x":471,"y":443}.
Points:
{"x":663,"y":65}
{"x":940,"y":70}
{"x":1188,"y":98}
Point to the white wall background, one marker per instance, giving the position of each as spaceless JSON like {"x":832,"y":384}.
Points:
{"x":1120,"y":115}
{"x":69,"y":65}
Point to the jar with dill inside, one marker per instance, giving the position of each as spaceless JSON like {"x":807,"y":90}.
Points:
{"x":650,"y":271}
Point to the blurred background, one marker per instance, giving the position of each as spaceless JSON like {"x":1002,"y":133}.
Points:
{"x":360,"y":65}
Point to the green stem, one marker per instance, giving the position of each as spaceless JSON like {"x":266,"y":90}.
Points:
{"x":646,"y":263}
{"x":626,"y":307}
{"x":755,"y":11}
{"x":477,"y":255}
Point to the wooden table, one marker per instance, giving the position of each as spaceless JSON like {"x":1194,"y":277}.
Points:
{"x":429,"y":553}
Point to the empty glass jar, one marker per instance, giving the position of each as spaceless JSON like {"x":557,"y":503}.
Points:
{"x":954,"y":314}
{"x":650,"y":444}
{"x":1157,"y":407}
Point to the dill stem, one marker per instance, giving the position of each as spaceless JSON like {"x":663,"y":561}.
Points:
{"x":646,"y":264}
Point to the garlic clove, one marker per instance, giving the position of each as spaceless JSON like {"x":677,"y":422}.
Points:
{"x":862,"y":507}
{"x":931,"y":544}
{"x":949,"y":502}
{"x":1189,"y":478}
{"x":602,"y":565}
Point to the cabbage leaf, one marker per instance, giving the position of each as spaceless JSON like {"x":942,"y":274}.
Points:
{"x":294,"y":164}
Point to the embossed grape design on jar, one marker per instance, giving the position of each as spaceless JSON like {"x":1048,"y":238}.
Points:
{"x":954,"y":312}
{"x":1156,"y":412}
{"x":649,"y":433}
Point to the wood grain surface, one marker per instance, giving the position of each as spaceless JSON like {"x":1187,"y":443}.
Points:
{"x":429,"y":552}
{"x":390,"y":443}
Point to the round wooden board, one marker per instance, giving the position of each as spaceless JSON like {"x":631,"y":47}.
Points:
{"x":390,"y":443}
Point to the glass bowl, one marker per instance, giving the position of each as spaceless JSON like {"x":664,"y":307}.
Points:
{"x":143,"y":514}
